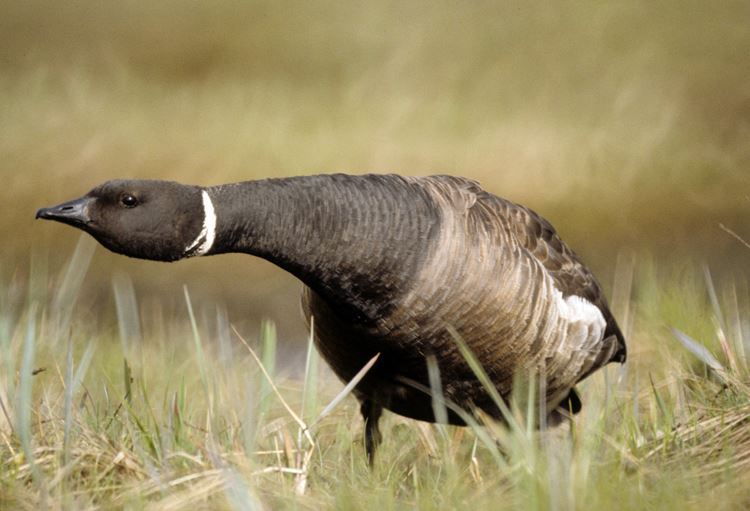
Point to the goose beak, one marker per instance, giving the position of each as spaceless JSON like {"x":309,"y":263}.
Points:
{"x":74,"y":212}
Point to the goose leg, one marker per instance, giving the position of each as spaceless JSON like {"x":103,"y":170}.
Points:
{"x":371,"y":412}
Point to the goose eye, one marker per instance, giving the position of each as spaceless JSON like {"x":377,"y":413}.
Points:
{"x":128,"y":200}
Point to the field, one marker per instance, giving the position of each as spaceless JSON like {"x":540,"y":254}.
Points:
{"x":130,"y":384}
{"x":180,"y":411}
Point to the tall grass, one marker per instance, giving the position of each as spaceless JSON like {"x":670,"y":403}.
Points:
{"x":167,"y":420}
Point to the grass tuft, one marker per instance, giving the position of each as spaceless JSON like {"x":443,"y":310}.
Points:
{"x":204,"y":418}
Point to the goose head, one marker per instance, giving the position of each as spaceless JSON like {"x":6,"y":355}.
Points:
{"x":145,"y":219}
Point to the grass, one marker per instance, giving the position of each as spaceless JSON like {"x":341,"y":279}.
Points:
{"x":184,"y":412}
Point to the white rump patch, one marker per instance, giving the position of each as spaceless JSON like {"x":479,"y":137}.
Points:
{"x":205,"y":239}
{"x":576,"y":309}
{"x":585,"y":321}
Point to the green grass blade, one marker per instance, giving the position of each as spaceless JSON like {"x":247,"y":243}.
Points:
{"x":268,"y":361}
{"x":436,"y":390}
{"x":484,"y":379}
{"x":346,"y":390}
{"x":465,"y":416}
{"x":65,"y":297}
{"x":239,"y":495}
{"x":310,"y":386}
{"x":200,"y":354}
{"x":24,"y":404}
{"x":703,"y":354}
{"x":72,"y":381}
{"x":68,"y":405}
{"x":223,"y":334}
{"x":128,"y":320}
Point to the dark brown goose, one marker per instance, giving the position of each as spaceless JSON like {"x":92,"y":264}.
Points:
{"x":391,"y":264}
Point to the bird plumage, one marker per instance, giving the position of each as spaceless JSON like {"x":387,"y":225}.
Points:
{"x":399,"y":266}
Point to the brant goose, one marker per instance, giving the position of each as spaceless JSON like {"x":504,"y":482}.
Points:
{"x":394,"y":265}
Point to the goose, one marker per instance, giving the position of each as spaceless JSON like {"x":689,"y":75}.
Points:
{"x":395,"y":266}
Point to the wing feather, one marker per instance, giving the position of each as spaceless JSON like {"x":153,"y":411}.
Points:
{"x":537,"y":236}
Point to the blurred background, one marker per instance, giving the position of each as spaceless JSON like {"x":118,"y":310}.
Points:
{"x":626,"y":124}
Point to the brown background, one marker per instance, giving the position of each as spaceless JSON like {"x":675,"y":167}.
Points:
{"x":627,"y":124}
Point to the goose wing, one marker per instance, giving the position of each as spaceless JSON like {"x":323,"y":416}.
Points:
{"x":565,"y":267}
{"x":540,"y":239}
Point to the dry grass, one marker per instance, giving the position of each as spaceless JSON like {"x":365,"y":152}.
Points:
{"x":181,"y":413}
{"x":630,"y":121}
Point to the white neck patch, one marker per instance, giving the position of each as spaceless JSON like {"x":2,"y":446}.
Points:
{"x":205,"y":239}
